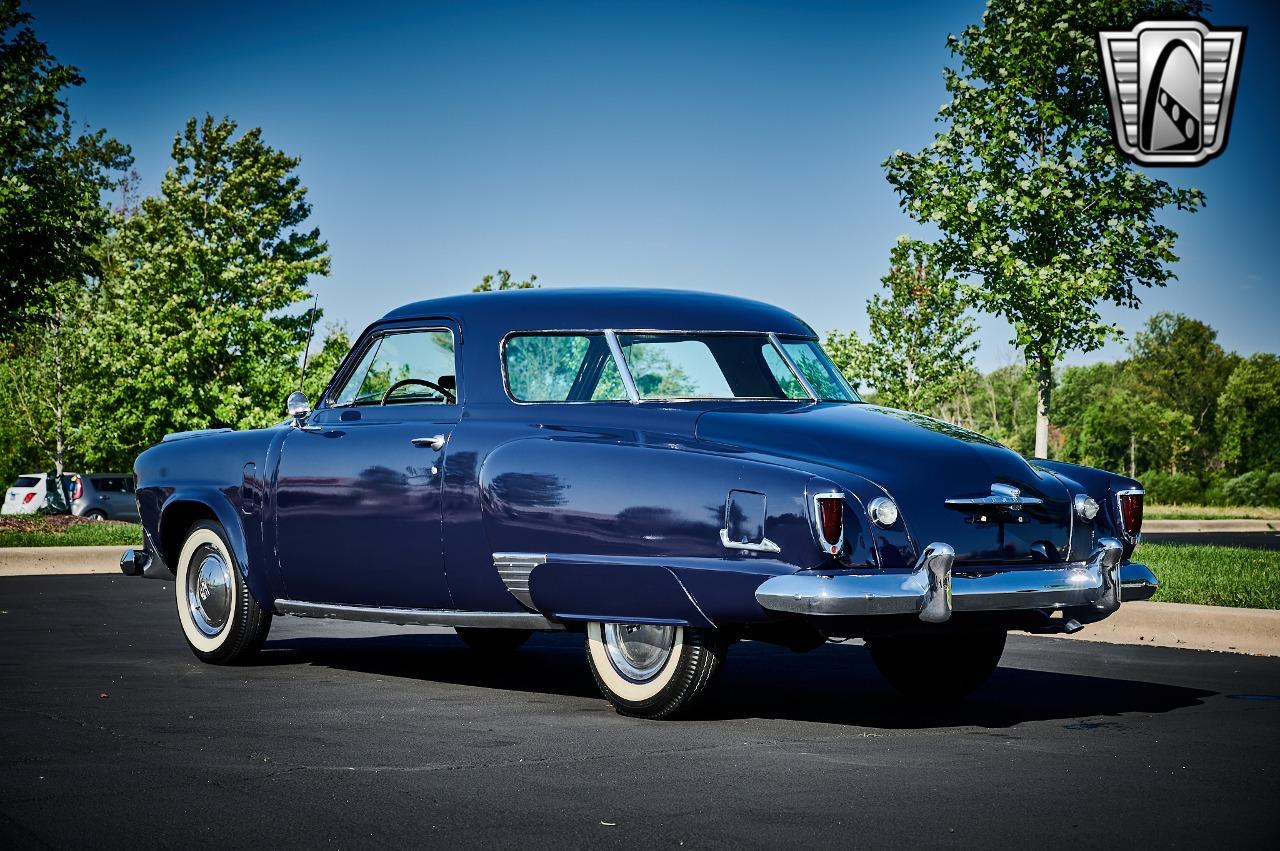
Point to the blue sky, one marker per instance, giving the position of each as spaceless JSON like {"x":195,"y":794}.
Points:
{"x":730,"y":147}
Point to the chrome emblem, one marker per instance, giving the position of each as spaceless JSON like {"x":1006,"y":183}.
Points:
{"x":1005,"y":497}
{"x":1170,"y":87}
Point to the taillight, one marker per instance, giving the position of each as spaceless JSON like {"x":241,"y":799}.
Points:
{"x":829,"y":515}
{"x":28,"y":498}
{"x":1130,"y":505}
{"x":77,"y":488}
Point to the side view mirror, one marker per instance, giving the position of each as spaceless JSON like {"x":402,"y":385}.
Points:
{"x":298,"y":406}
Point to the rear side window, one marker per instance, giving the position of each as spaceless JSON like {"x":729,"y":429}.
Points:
{"x":561,"y":368}
{"x":26,"y":482}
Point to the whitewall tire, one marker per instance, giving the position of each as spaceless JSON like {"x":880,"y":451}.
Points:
{"x":652,"y":671}
{"x":221,"y":621}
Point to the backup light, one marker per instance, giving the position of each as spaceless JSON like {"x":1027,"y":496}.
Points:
{"x":1086,"y":507}
{"x":883,"y":511}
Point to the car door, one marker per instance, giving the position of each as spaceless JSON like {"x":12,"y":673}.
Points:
{"x":358,"y":486}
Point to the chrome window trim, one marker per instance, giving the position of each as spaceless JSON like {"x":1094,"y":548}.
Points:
{"x":339,"y":381}
{"x":624,"y":371}
{"x":795,"y":369}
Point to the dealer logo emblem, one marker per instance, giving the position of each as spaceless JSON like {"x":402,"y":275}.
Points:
{"x":1171,"y":86}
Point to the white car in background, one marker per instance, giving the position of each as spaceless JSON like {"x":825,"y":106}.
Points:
{"x":29,"y":493}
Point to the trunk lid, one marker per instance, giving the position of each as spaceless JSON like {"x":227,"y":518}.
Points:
{"x":922,"y":463}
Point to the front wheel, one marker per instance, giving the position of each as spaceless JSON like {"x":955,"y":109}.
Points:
{"x":653,"y":671}
{"x":221,"y":621}
{"x":937,"y":667}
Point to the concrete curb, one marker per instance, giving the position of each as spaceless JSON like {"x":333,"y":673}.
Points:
{"x":1173,"y":527}
{"x":1190,"y":627}
{"x":56,"y":561}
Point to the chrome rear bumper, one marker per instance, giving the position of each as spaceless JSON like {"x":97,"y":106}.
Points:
{"x":933,"y":591}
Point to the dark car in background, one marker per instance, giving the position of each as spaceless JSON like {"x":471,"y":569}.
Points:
{"x":104,"y":496}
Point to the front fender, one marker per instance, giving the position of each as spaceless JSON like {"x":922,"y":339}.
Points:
{"x":186,"y":505}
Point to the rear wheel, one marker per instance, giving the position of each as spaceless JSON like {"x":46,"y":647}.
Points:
{"x":653,"y":671}
{"x":937,"y":667}
{"x":221,"y":621}
{"x":495,"y":642}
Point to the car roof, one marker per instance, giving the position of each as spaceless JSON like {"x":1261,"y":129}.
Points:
{"x":621,"y":308}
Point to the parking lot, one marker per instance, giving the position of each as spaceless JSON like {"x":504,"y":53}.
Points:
{"x":112,"y":734}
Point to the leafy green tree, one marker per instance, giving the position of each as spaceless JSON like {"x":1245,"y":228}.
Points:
{"x":195,"y":305}
{"x":921,"y":343}
{"x":42,"y":383}
{"x":1177,"y":363}
{"x":1249,"y":415}
{"x":1119,"y":432}
{"x":502,"y":281}
{"x":51,"y":178}
{"x":1027,"y":187}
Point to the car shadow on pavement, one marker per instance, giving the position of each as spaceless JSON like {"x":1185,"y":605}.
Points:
{"x":831,"y":685}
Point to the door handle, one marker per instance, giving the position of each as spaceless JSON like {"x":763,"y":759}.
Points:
{"x":436,"y":442}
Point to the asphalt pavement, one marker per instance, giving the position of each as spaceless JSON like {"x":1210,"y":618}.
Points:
{"x":351,"y":735}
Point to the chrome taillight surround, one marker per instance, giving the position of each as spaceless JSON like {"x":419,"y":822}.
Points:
{"x":828,"y":547}
{"x":1134,"y":535}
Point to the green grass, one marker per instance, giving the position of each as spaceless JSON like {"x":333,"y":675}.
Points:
{"x":1211,"y":512}
{"x":104,"y":534}
{"x":1214,"y":576}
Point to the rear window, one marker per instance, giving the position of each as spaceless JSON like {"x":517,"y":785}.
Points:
{"x":26,"y":482}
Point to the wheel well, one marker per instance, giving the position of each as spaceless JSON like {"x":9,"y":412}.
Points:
{"x":177,"y":519}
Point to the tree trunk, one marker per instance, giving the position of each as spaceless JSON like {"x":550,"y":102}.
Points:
{"x":1044,"y":387}
{"x":1133,"y":454}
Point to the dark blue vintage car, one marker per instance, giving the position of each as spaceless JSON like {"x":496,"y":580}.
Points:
{"x":665,"y":472}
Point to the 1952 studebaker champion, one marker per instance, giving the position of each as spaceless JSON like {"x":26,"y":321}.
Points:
{"x":665,"y":472}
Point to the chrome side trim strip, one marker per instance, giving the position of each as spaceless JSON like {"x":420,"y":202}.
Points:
{"x":416,"y":617}
{"x":514,"y":570}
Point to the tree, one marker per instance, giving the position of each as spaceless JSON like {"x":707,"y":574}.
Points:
{"x":1027,"y":187}
{"x":51,"y":179}
{"x":1177,"y":364}
{"x":322,"y":364}
{"x":920,"y":344}
{"x":502,"y":281}
{"x":1249,"y":416}
{"x":194,"y":303}
{"x":41,"y":381}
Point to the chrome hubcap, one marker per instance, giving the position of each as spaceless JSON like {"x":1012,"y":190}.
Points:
{"x":638,"y":651}
{"x":209,"y":591}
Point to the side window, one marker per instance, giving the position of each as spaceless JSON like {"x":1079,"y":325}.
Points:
{"x":410,"y":367}
{"x":561,"y":368}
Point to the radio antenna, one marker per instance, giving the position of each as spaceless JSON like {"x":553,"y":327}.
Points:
{"x":306,"y":352}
